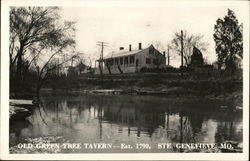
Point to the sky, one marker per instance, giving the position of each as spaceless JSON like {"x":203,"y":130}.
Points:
{"x":120,"y":24}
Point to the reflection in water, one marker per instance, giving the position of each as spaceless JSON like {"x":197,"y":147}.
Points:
{"x":19,"y":130}
{"x":130,"y":119}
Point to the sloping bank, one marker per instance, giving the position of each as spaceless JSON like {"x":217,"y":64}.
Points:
{"x":153,"y":84}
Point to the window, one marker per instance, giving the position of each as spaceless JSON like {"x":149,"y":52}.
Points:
{"x":155,"y":61}
{"x":121,"y":61}
{"x":126,"y":60}
{"x":148,"y":61}
{"x":116,"y":61}
{"x":132,"y":59}
{"x":110,"y":62}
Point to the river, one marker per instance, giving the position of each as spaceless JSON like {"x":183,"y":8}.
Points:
{"x":130,"y":120}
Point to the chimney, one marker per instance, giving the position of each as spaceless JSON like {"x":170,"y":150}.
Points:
{"x":139,"y":46}
{"x":130,"y":47}
{"x":121,"y":48}
{"x":164,"y":53}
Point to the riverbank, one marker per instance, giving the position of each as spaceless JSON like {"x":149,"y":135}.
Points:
{"x":153,"y":84}
{"x":219,"y":87}
{"x":236,"y":96}
{"x":143,"y":84}
{"x":20,"y":109}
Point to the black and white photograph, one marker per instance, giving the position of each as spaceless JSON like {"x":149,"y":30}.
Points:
{"x":125,"y":77}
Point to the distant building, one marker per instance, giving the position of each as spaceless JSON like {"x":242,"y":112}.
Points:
{"x":132,"y":61}
{"x":78,"y":70}
{"x":55,"y":68}
{"x":73,"y":71}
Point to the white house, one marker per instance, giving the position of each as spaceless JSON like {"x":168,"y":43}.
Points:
{"x":131,"y":61}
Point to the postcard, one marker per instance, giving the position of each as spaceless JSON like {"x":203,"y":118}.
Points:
{"x":124,"y":80}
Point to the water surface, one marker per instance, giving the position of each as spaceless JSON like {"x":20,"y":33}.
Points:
{"x":117,"y":119}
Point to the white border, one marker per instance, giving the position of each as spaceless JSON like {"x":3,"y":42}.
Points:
{"x":4,"y":140}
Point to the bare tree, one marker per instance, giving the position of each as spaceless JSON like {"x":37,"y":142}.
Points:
{"x":44,"y":65}
{"x":33,"y":29}
{"x":91,"y":59}
{"x":189,"y":41}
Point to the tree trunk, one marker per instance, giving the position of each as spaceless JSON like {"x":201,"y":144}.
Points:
{"x":120,"y":70}
{"x":38,"y":93}
{"x":38,"y":88}
{"x":186,"y":60}
{"x":109,"y":69}
{"x":18,"y":76}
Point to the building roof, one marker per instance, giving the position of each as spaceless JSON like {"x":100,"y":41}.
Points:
{"x":121,"y":53}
